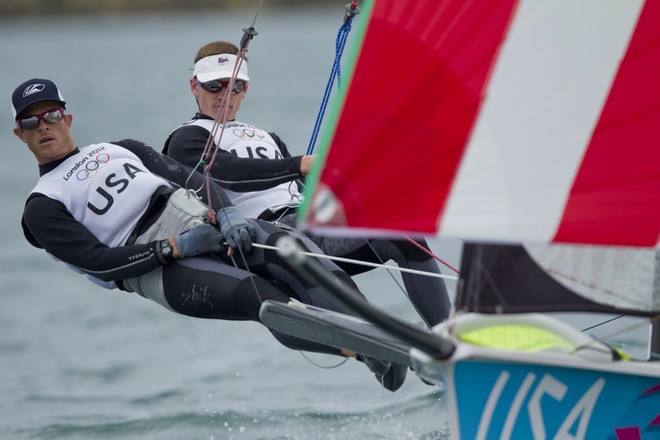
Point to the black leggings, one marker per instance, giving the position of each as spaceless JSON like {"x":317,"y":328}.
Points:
{"x":428,"y":294}
{"x":209,"y":287}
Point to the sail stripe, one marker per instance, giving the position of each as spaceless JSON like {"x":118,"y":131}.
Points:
{"x":624,"y":198}
{"x":439,"y":57}
{"x":543,"y":101}
{"x":498,"y":121}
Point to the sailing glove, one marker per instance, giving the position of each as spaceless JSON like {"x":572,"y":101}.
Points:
{"x":199,"y":240}
{"x":238,"y":233}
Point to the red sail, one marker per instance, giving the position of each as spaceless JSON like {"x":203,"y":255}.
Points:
{"x":498,"y":121}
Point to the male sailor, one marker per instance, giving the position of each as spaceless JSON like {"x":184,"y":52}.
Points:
{"x":119,"y":213}
{"x":261,"y":177}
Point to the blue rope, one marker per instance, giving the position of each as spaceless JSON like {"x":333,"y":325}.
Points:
{"x":342,"y":36}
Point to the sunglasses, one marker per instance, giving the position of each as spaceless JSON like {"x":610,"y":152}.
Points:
{"x":50,"y":117}
{"x":217,"y":85}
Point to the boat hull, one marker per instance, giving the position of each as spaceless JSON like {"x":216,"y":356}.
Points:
{"x":499,"y":395}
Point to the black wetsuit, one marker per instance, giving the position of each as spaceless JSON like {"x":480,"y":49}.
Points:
{"x":205,"y":287}
{"x":428,"y":294}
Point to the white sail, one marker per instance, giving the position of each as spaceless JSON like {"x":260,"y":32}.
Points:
{"x":626,"y":278}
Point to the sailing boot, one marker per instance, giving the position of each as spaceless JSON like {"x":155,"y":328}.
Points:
{"x":390,"y":376}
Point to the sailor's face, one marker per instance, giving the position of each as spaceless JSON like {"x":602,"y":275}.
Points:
{"x":48,"y":141}
{"x":213,"y":104}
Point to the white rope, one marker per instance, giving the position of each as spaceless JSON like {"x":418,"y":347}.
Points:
{"x":364,"y":263}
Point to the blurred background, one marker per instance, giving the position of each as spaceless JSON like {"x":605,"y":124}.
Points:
{"x":65,"y":7}
{"x":81,"y":362}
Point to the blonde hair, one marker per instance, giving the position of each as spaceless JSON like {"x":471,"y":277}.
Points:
{"x":216,"y":48}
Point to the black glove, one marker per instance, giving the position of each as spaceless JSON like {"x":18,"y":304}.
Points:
{"x":199,"y":240}
{"x":236,"y":230}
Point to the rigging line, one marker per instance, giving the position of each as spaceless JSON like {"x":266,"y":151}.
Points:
{"x":389,"y":272}
{"x":206,"y":166}
{"x":221,"y":116}
{"x":607,"y":321}
{"x":363,"y":263}
{"x":622,"y":331}
{"x":201,"y":163}
{"x":251,"y":32}
{"x":397,"y":282}
{"x":325,"y":367}
{"x":220,"y":119}
{"x":389,"y":269}
{"x":428,"y":251}
{"x":352,"y":10}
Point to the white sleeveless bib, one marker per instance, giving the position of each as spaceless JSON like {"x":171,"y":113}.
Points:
{"x":105,"y":187}
{"x":245,"y":140}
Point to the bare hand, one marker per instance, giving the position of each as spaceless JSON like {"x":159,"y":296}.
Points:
{"x":306,"y":164}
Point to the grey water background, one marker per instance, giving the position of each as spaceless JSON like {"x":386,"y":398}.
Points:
{"x":81,"y":362}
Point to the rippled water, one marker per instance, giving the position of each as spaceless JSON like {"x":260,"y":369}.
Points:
{"x":80,"y":362}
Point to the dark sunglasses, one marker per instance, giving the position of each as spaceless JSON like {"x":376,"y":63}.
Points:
{"x":49,"y":117}
{"x":217,"y":85}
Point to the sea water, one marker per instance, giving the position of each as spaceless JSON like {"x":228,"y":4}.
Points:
{"x":81,"y":362}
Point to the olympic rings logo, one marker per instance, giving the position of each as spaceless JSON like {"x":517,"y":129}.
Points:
{"x":248,"y":133}
{"x":92,"y":167}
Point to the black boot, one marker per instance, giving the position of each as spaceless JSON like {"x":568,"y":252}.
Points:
{"x":390,"y":376}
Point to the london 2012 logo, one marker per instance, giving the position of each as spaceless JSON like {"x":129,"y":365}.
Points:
{"x":93,"y":166}
{"x":248,"y":134}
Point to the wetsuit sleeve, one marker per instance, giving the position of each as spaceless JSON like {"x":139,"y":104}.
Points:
{"x":241,"y":174}
{"x":48,"y":225}
{"x":175,"y":172}
{"x":300,"y":180}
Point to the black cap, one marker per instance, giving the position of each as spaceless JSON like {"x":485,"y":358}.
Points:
{"x":34,"y":90}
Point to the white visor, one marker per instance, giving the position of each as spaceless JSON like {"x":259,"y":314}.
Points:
{"x":219,"y":67}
